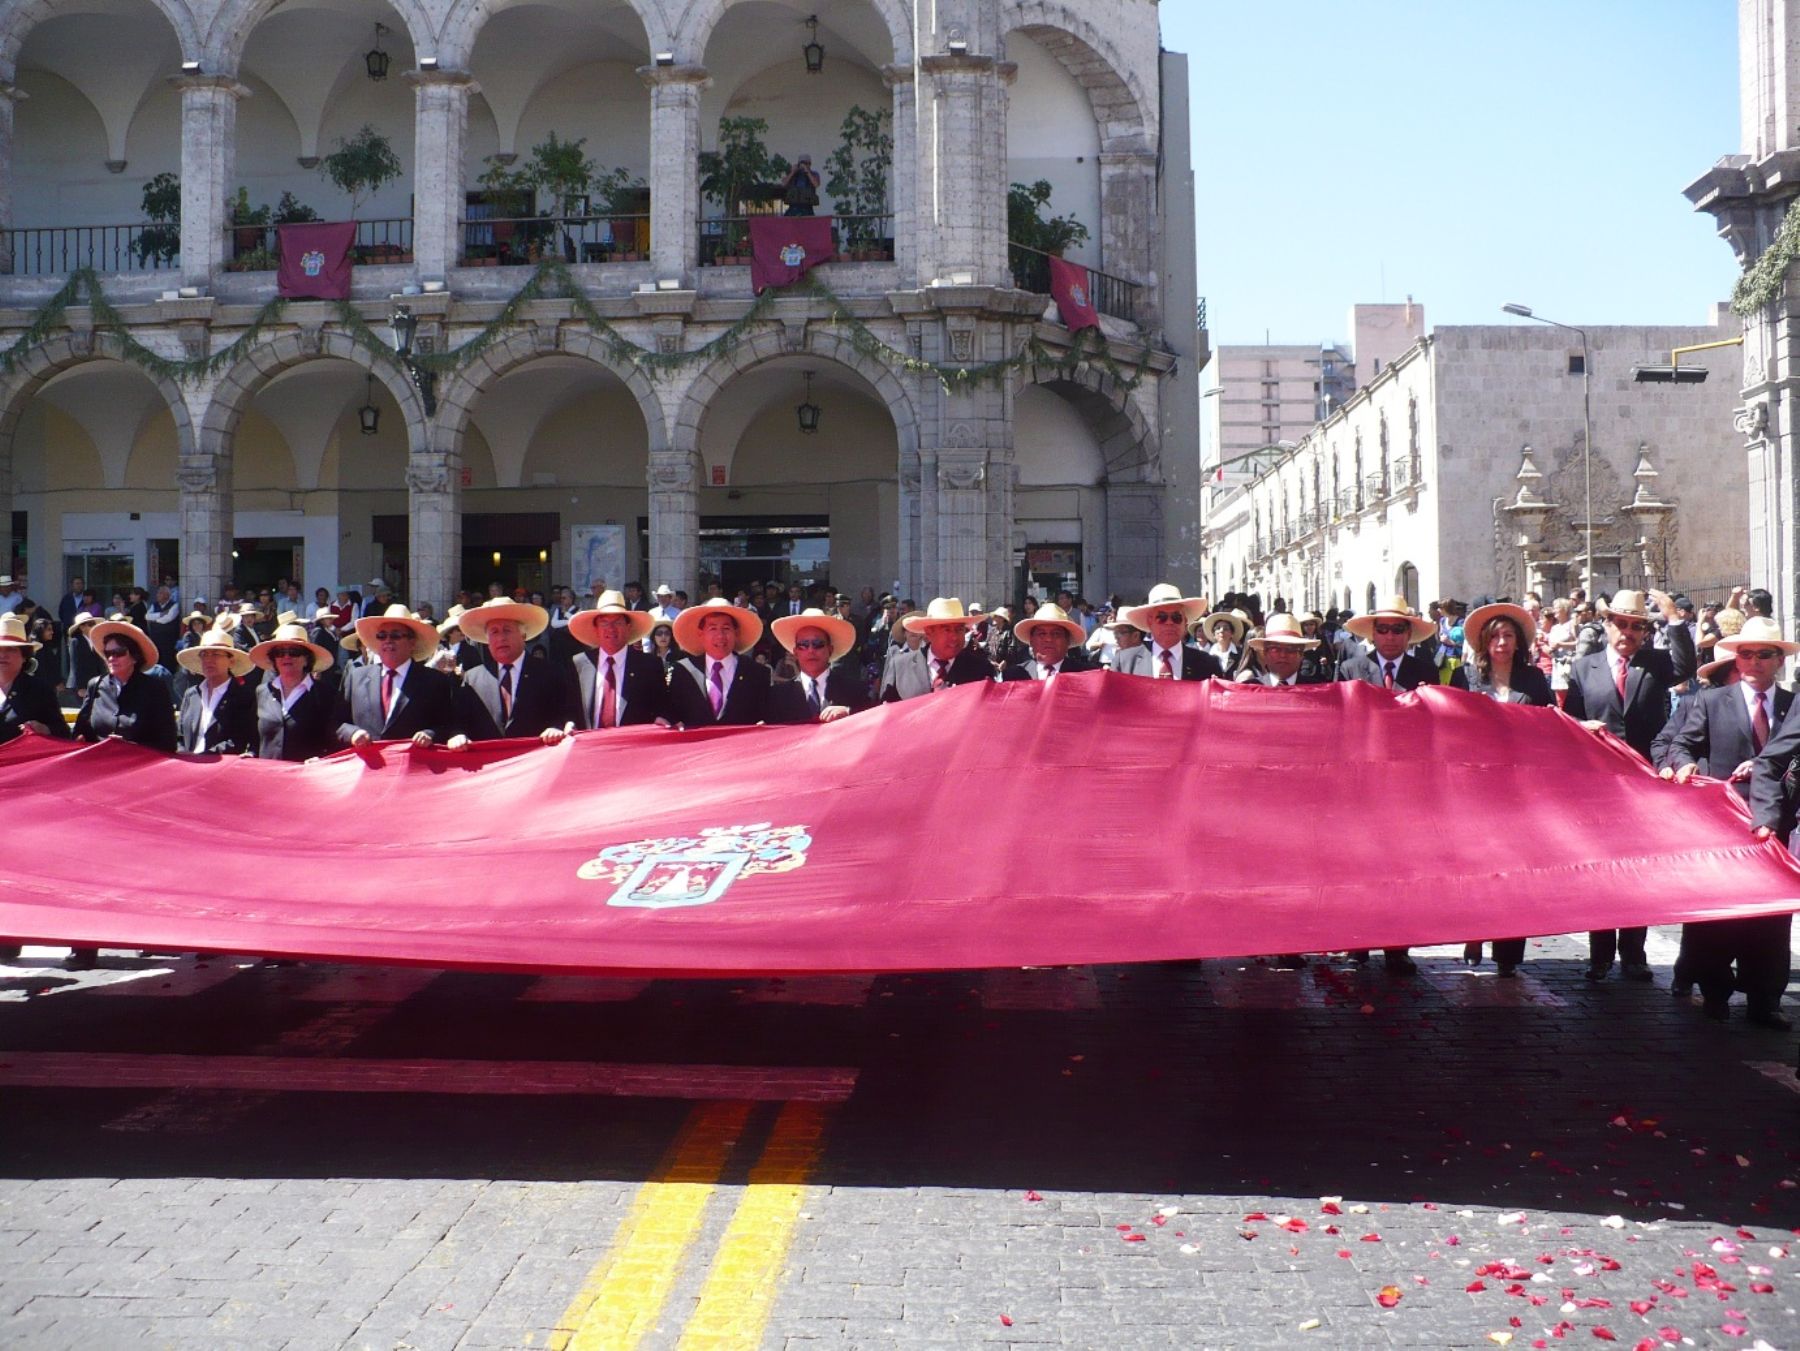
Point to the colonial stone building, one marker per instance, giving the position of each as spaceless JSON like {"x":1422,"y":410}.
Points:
{"x":1459,"y":470}
{"x":556,"y":455}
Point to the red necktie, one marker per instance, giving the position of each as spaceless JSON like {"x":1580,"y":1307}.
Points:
{"x":717,"y":693}
{"x":1387,"y":674}
{"x":1168,"y":667}
{"x":937,"y":681}
{"x":609,"y":699}
{"x":1620,"y":674}
{"x":506,"y":695}
{"x":1759,"y":725}
{"x":387,"y":691}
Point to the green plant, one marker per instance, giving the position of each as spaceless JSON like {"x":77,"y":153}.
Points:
{"x":161,"y":240}
{"x":622,"y":193}
{"x":361,"y":165}
{"x":242,"y":213}
{"x":731,"y":174}
{"x":859,"y":169}
{"x":259,"y":259}
{"x":291,"y":211}
{"x":1027,"y":225}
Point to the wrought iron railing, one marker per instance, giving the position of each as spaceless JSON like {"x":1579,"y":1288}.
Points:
{"x":36,"y":251}
{"x":257,"y":248}
{"x":1111,"y":295}
{"x":725,"y":240}
{"x":502,"y":241}
{"x":1375,"y":486}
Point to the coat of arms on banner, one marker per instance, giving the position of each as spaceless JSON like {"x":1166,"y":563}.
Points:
{"x":1078,"y":293}
{"x":695,"y":869}
{"x":793,"y":255}
{"x":312,"y":262}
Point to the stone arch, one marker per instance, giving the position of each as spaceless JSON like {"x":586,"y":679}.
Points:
{"x":238,"y":386}
{"x":237,"y":19}
{"x":768,"y":346}
{"x":465,"y":19}
{"x":456,"y":401}
{"x":696,"y":28}
{"x":1127,"y":441}
{"x":19,"y":17}
{"x":1119,"y":101}
{"x":61,"y":354}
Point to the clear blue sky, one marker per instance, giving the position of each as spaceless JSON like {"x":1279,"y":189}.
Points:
{"x":1466,"y":154}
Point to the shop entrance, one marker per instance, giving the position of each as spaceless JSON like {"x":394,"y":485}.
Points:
{"x":738,"y":551}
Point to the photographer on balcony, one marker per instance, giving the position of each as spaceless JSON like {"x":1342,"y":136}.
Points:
{"x":800,"y":189}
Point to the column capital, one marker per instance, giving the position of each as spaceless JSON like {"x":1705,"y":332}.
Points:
{"x":653,"y":76}
{"x":11,"y":93}
{"x":1144,"y":159}
{"x":895,"y":75}
{"x":448,"y":79}
{"x":216,"y":84}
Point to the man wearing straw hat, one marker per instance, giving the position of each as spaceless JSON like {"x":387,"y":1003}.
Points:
{"x":395,"y":696}
{"x":506,"y":695}
{"x":1392,"y":630}
{"x":1278,"y":654}
{"x":218,"y":712}
{"x":826,"y":687}
{"x":1055,"y":641}
{"x":617,"y":683}
{"x":944,"y":660}
{"x":1166,"y":617}
{"x":718,"y":684}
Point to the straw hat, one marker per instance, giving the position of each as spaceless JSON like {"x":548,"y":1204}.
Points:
{"x":12,"y":632}
{"x":1239,"y":621}
{"x":1283,"y":631}
{"x":325,"y":617}
{"x":1363,"y":626}
{"x":942,"y":610}
{"x":425,"y":634}
{"x":1720,"y":672}
{"x":290,"y":635}
{"x":194,"y":614}
{"x":1049,"y":616}
{"x":1478,"y":617}
{"x":687,"y":624}
{"x":214,"y":640}
{"x":841,"y":631}
{"x":582,"y":622}
{"x":1758,"y":631}
{"x":1628,"y":605}
{"x":534,"y":619}
{"x":226,"y":621}
{"x":452,"y":619}
{"x":99,"y":633}
{"x":350,"y":643}
{"x":1163,"y":595}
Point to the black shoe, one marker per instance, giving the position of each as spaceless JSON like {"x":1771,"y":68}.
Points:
{"x":1360,"y":957}
{"x":81,"y":959}
{"x":1290,"y":961}
{"x":9,"y":952}
{"x":1639,"y":971}
{"x":1596,"y":973}
{"x":1509,"y":971}
{"x":1684,"y":990}
{"x":1717,"y":1009}
{"x":1769,"y":1018}
{"x":1399,"y":964}
{"x":1472,"y":953}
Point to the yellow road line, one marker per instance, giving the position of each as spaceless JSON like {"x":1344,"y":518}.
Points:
{"x":740,"y":1289}
{"x":624,"y":1294}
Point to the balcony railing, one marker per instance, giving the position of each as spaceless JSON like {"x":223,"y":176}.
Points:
{"x":725,"y":240}
{"x":257,"y":248}
{"x":38,"y":251}
{"x":1111,"y":295}
{"x":502,"y":241}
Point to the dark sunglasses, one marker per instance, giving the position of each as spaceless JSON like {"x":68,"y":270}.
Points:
{"x":393,"y":635}
{"x":810,"y":643}
{"x":1760,"y":653}
{"x":1167,"y":617}
{"x":110,"y":652}
{"x":279,"y":652}
{"x":1393,"y":628}
{"x":1630,"y":625}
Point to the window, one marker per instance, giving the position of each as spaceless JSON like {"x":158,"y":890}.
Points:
{"x":1577,"y":364}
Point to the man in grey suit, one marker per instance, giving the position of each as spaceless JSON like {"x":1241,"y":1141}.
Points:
{"x":1166,"y":617}
{"x":946,"y":658}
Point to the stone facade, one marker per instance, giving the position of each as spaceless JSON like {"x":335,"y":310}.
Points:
{"x":937,"y":491}
{"x":1459,"y":471}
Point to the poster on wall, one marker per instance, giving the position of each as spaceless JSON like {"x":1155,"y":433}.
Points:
{"x":597,"y":555}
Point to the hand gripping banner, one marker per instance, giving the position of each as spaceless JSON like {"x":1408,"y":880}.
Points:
{"x":1098,"y":818}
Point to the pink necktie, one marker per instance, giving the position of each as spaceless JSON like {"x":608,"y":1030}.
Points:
{"x":1619,"y":679}
{"x":387,"y":691}
{"x":1759,"y":725}
{"x":717,"y":692}
{"x":1168,"y":667}
{"x":609,"y":699}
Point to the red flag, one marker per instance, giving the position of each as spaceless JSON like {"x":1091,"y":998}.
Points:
{"x":777,"y":849}
{"x":315,"y":260}
{"x":784,"y":248}
{"x":1071,"y":288}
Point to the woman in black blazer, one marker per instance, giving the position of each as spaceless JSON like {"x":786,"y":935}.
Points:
{"x":294,"y":718}
{"x":27,"y":700}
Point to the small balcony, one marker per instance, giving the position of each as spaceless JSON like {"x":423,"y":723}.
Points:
{"x":515,"y":241}
{"x":725,"y":240}
{"x":257,"y":248}
{"x":1113,"y":296}
{"x":52,"y":250}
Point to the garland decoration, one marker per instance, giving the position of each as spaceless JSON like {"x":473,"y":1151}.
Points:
{"x":1762,"y":280}
{"x":552,"y":280}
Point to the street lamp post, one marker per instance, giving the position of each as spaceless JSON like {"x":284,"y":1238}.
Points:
{"x":1587,"y":438}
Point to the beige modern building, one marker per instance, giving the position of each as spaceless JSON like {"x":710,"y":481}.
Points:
{"x":569,"y":448}
{"x":1261,"y":396}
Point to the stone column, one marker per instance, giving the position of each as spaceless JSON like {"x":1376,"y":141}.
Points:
{"x":208,"y":159}
{"x":908,"y":534}
{"x":1128,"y":218}
{"x":434,"y":530}
{"x":961,"y":154}
{"x":962,"y":524}
{"x":10,"y":95}
{"x":674,"y":182}
{"x":440,"y":134}
{"x":206,"y":524}
{"x":906,"y":172}
{"x":675,"y":518}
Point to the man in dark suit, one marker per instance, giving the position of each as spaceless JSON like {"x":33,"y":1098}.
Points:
{"x":719,"y":685}
{"x":946,"y":658}
{"x":395,"y":696}
{"x":1168,"y":655}
{"x":826,"y":687}
{"x":1392,"y":629}
{"x":1624,"y":689}
{"x":1722,"y":731}
{"x":617,"y":683}
{"x":506,"y":694}
{"x":1278,"y":656}
{"x":1055,"y":641}
{"x":218,"y":712}
{"x":71,"y":604}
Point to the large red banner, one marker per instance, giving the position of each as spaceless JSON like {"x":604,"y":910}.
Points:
{"x":1098,"y":818}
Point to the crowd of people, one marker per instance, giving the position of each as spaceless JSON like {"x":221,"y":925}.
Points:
{"x":1690,"y":690}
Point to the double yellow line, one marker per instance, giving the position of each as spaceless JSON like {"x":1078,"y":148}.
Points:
{"x":623,"y":1297}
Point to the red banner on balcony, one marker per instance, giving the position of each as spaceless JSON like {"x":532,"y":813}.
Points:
{"x":784,"y":248}
{"x":315,"y":260}
{"x":908,"y":837}
{"x":1072,"y":289}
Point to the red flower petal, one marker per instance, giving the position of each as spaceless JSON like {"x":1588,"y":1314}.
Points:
{"x":1640,"y":1307}
{"x":1033,"y":1196}
{"x":1475,"y":1286}
{"x":1388,"y":1296}
{"x":1606,"y":1334}
{"x":1005,"y":1321}
{"x":1135,"y":1238}
{"x":1761,"y":1288}
{"x":1371,"y":1238}
{"x":1343,"y":1252}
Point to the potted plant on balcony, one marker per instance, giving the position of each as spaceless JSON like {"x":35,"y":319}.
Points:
{"x":626,"y":199}
{"x":158,"y":242}
{"x":858,"y":182}
{"x":362,"y":165}
{"x":249,"y":224}
{"x":290,"y":210}
{"x":258,"y":259}
{"x":741,"y":169}
{"x":1031,"y":233}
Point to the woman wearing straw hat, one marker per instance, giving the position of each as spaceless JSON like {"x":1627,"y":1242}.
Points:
{"x":718,"y":684}
{"x":944,"y":659}
{"x":218,"y":712}
{"x":27,"y":700}
{"x":826,"y":687}
{"x":395,"y":696}
{"x":1055,"y":642}
{"x":1225,"y":629}
{"x":294,"y":704}
{"x":1392,"y":629}
{"x":1502,"y":637}
{"x":84,"y":661}
{"x":127,"y":702}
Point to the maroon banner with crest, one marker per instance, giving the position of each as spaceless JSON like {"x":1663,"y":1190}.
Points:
{"x":315,"y":260}
{"x":1071,"y":287}
{"x":1096,"y":818}
{"x":785,"y":248}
